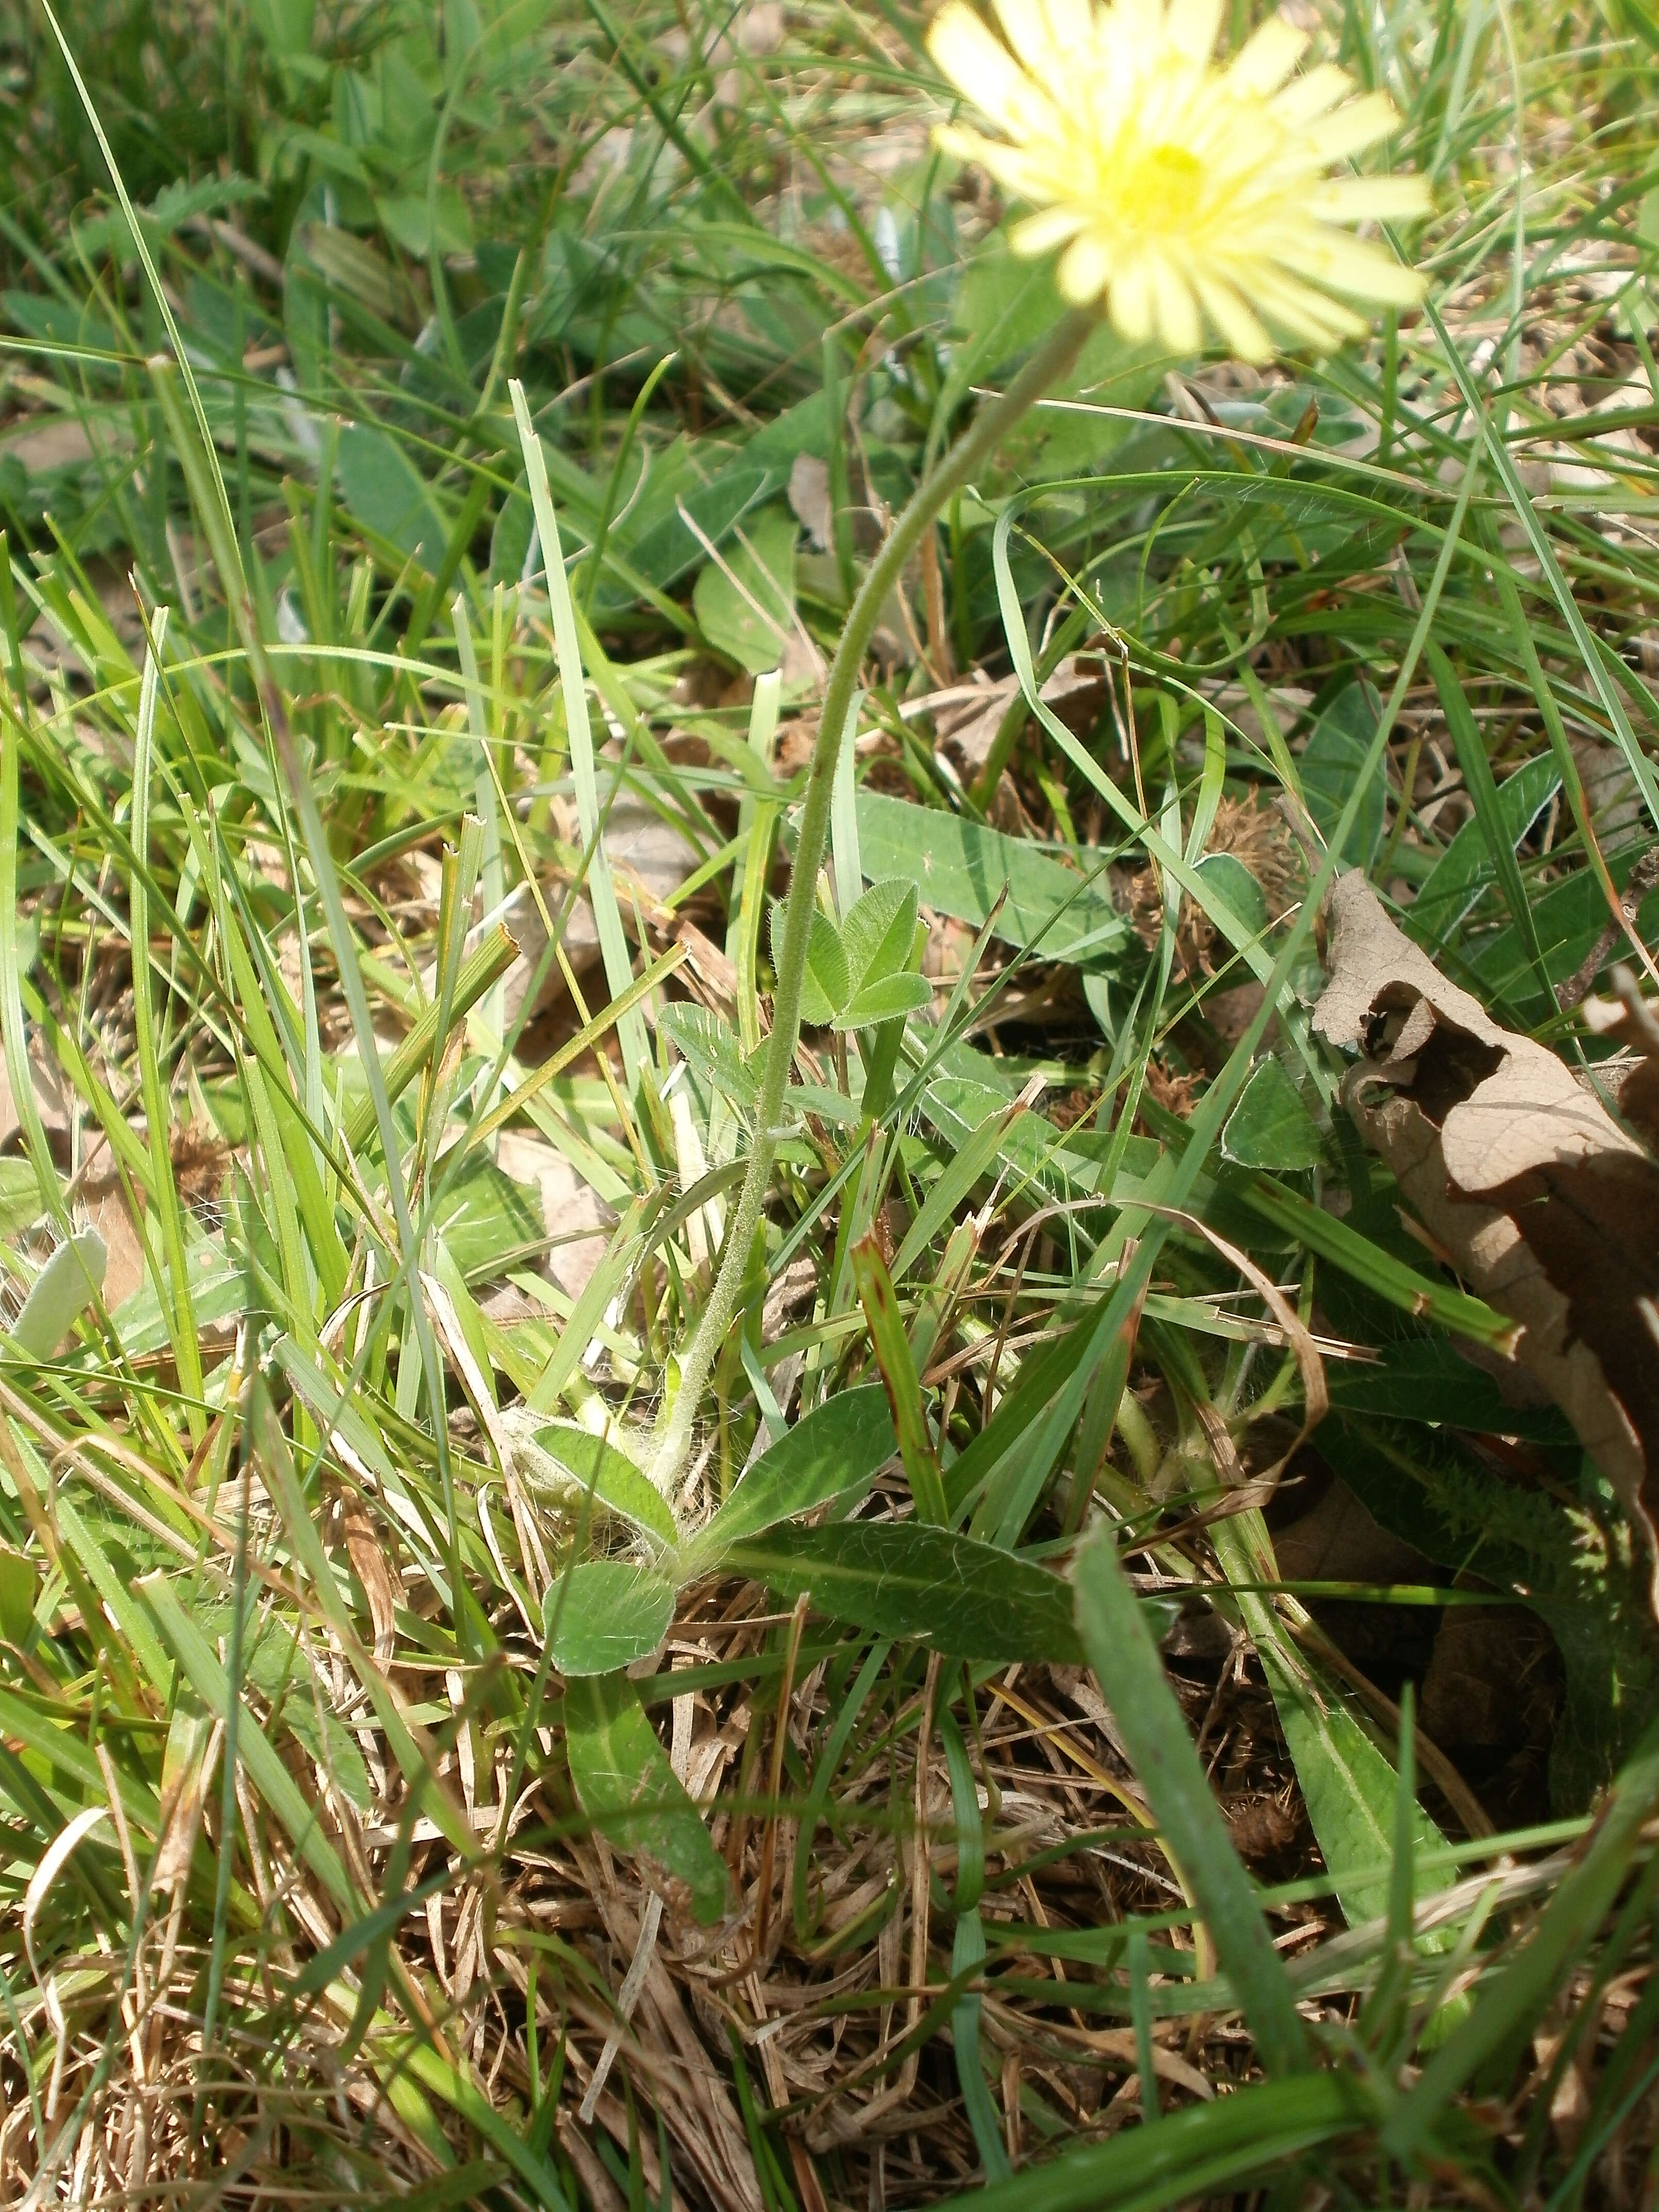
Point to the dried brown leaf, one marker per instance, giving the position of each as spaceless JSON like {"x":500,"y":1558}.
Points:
{"x":366,"y":1549}
{"x":1541,"y":1200}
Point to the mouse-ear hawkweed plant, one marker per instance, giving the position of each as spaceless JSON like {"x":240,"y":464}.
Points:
{"x":1175,"y":189}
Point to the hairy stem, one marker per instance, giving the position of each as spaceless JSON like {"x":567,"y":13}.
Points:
{"x":989,"y":427}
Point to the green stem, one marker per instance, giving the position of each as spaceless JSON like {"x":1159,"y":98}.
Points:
{"x":990,"y":427}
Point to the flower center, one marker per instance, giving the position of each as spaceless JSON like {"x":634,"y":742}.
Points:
{"x":1160,"y":189}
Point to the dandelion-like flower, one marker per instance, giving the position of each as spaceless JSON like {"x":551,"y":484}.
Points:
{"x":1179,"y":188}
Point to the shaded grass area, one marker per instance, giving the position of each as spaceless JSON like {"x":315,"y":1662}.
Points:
{"x":404,"y":1799}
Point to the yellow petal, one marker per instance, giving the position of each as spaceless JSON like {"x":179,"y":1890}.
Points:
{"x":1084,"y":270}
{"x":1130,"y":303}
{"x":1040,"y":233}
{"x":1176,"y":189}
{"x":1267,"y":57}
{"x":1236,"y":321}
{"x":1306,"y":98}
{"x":1045,"y":40}
{"x":1192,"y":25}
{"x":1362,"y":123}
{"x":1174,"y":311}
{"x":1370,"y":199}
{"x":1353,"y":265}
{"x":984,"y":71}
{"x":1302,"y":312}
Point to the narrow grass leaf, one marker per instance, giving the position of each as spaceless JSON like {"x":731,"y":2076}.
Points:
{"x":1125,"y":1658}
{"x":898,"y":1372}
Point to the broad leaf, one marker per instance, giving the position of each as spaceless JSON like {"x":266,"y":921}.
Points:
{"x":1335,"y":756}
{"x":1154,"y":1730}
{"x":1426,"y":1379}
{"x":826,"y":985}
{"x":711,"y":1048}
{"x":961,"y":870}
{"x":616,"y":1483}
{"x":1464,"y":869}
{"x":60,"y":1294}
{"x":875,"y":935}
{"x":1349,"y":1788}
{"x":633,"y":1796}
{"x":1225,"y":878}
{"x":602,"y":1614}
{"x":1569,"y":918}
{"x":744,"y":602}
{"x":888,"y":1000}
{"x":380,"y":485}
{"x":20,"y":1586}
{"x":1270,"y":1126}
{"x":833,"y":1454}
{"x":19,"y":1196}
{"x":905,"y":1578}
{"x":683,"y":510}
{"x":285,"y":26}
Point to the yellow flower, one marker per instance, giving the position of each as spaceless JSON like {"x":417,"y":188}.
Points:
{"x":1179,"y":188}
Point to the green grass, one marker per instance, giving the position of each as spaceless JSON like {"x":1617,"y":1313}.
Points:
{"x":352,"y":1674}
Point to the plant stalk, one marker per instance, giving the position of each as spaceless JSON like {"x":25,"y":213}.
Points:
{"x":990,"y":427}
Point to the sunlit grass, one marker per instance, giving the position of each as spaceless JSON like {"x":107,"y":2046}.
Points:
{"x":322,"y":1765}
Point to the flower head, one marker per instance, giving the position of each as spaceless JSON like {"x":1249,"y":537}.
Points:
{"x":1178,"y":188}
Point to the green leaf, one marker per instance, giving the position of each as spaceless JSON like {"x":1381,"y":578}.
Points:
{"x":1427,"y":1379}
{"x":380,"y":485}
{"x":1199,"y":2155}
{"x":592,"y":1464}
{"x":1569,"y":918}
{"x":1154,"y":1730}
{"x":19,"y":1196}
{"x":746,"y":608}
{"x":1004,"y":304}
{"x":279,"y":1667}
{"x":509,"y":540}
{"x":485,"y":1217}
{"x":602,"y":1614}
{"x":658,"y":536}
{"x":875,"y":935}
{"x":898,"y":1372}
{"x":285,"y":26}
{"x":61,"y":1293}
{"x":1513,"y":2000}
{"x":1270,"y":1126}
{"x":887,"y":1000}
{"x":1224,"y":877}
{"x":960,"y":869}
{"x":831,"y":1456}
{"x":826,"y":986}
{"x":1349,"y":1788}
{"x":407,"y":217}
{"x":20,"y":1586}
{"x":633,"y":1796}
{"x":1465,"y":868}
{"x":1334,"y":758}
{"x":1428,"y":1487}
{"x":1470,"y":747}
{"x":906,"y":1578}
{"x":710,"y":1048}
{"x":276,"y":1787}
{"x":1368,"y":1263}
